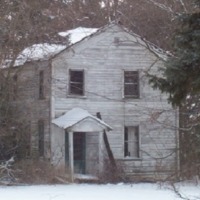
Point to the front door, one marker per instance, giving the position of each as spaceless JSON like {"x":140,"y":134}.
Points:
{"x":79,"y":152}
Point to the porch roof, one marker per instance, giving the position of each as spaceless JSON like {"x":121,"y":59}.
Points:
{"x":76,"y":116}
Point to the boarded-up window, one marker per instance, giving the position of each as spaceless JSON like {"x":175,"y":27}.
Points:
{"x":41,"y":137}
{"x":131,"y":84}
{"x":76,"y":82}
{"x":41,"y":85}
{"x":131,"y":141}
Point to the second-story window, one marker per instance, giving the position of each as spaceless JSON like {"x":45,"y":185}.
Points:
{"x":76,"y":82}
{"x":131,"y":84}
{"x":41,"y":85}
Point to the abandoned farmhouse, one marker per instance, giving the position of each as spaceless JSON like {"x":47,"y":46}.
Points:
{"x":61,"y":98}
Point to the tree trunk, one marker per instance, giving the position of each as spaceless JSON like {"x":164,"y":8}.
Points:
{"x":108,"y":149}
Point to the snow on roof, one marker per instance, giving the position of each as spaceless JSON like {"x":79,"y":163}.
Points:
{"x":45,"y":51}
{"x":77,"y":34}
{"x":74,"y":116}
{"x":38,"y":52}
{"x":158,"y":51}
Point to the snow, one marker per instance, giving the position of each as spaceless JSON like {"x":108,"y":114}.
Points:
{"x":85,"y":177}
{"x":188,"y":96}
{"x":193,"y":105}
{"x":45,"y":51}
{"x":95,"y":192}
{"x":102,"y":4}
{"x":158,"y":51}
{"x":74,"y":116}
{"x":77,"y":34}
{"x":38,"y":52}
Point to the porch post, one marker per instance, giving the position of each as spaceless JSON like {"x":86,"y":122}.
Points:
{"x":101,"y":156}
{"x":71,"y":155}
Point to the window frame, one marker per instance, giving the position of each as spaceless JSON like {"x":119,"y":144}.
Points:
{"x":135,"y":93}
{"x":70,"y":93}
{"x":127,"y":153}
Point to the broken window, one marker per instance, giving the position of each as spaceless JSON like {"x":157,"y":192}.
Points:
{"x":41,"y":137}
{"x":76,"y":82}
{"x":131,"y":84}
{"x":131,"y":142}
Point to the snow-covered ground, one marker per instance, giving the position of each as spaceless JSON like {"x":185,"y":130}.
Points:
{"x":96,"y":192}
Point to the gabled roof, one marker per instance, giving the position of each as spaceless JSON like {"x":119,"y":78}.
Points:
{"x":157,"y":51}
{"x":152,"y":47}
{"x":74,"y":116}
{"x":47,"y":51}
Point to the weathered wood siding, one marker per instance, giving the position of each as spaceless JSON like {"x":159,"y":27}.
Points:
{"x":104,"y":58}
{"x":58,"y":148}
{"x":28,"y":108}
{"x":92,"y":153}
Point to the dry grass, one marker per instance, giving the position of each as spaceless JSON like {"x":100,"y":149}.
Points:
{"x":32,"y":171}
{"x":112,"y":174}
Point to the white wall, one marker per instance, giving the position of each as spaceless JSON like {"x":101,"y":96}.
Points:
{"x":104,"y":61}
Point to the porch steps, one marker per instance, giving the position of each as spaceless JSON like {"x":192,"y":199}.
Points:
{"x":85,"y":178}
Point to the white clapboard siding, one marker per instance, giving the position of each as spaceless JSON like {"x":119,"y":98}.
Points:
{"x":104,"y":60}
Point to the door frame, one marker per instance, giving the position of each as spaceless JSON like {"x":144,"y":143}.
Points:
{"x":70,"y":150}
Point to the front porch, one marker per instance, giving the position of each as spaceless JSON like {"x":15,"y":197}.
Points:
{"x":82,"y":142}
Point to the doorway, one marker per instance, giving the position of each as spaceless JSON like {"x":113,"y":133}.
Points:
{"x":79,"y":141}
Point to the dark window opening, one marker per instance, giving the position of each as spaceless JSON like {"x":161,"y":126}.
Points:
{"x":76,"y":84}
{"x":41,"y":137}
{"x":131,"y":84}
{"x":126,"y":152}
{"x":1,"y":89}
{"x":28,"y":140}
{"x":131,"y":142}
{"x":14,"y":92}
{"x":41,"y":85}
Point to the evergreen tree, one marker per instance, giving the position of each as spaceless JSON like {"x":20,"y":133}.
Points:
{"x":181,"y":74}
